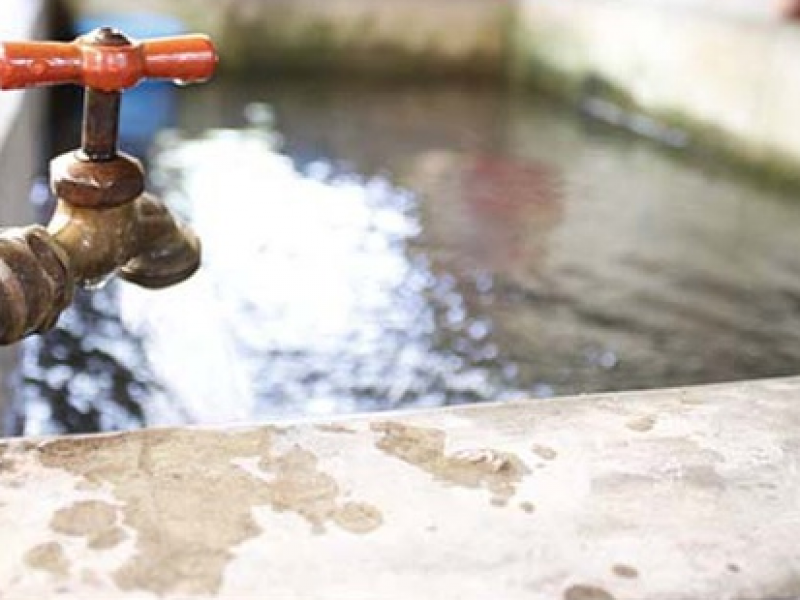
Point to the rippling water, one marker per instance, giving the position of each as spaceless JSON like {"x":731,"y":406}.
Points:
{"x":369,"y":248}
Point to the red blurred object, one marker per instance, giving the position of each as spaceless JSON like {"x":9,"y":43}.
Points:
{"x":790,"y":9}
{"x":108,"y":67}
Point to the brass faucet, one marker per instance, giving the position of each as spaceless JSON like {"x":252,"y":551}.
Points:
{"x":104,"y":222}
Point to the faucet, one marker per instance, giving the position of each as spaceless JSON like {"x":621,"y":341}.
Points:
{"x":104,"y":222}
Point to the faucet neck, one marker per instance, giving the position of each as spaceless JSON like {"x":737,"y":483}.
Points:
{"x":101,"y":107}
{"x":100,"y":124}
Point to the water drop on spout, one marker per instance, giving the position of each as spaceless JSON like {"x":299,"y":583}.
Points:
{"x":96,"y":284}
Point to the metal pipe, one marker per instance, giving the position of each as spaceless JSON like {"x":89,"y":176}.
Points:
{"x":100,"y":124}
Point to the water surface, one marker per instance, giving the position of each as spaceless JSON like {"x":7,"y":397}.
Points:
{"x":373,"y":247}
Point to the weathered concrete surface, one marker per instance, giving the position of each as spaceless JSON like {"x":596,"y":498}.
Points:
{"x":385,"y":37}
{"x":688,"y":493}
{"x":703,"y":63}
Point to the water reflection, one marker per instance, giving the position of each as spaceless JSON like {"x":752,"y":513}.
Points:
{"x":420,"y":247}
{"x":311,"y":294}
{"x":312,"y":299}
{"x":87,"y":375}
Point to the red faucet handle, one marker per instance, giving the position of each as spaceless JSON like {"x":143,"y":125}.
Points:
{"x":106,"y":60}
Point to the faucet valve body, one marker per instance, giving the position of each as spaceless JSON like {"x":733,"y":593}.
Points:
{"x":104,"y":222}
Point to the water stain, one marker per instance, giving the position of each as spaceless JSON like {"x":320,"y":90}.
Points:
{"x":12,"y":464}
{"x":499,"y":472}
{"x":625,"y":571}
{"x":586,"y":592}
{"x":93,"y":519}
{"x":703,"y":476}
{"x":48,"y":557}
{"x":544,"y":452}
{"x":300,"y":487}
{"x":358,"y":517}
{"x":166,"y":486}
{"x":107,"y":539}
{"x":335,"y":428}
{"x":7,"y":465}
{"x":642,"y":424}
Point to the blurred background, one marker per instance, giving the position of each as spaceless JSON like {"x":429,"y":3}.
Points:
{"x":416,"y":203}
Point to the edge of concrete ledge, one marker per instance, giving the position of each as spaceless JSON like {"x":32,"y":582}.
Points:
{"x":664,"y":494}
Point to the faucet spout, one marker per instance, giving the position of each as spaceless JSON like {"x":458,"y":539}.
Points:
{"x":40,"y":267}
{"x":140,"y":241}
{"x":168,"y":252}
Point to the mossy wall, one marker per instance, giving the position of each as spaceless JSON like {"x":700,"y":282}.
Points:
{"x":723,"y":74}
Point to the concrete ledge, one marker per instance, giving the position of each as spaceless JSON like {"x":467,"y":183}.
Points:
{"x":671,"y":494}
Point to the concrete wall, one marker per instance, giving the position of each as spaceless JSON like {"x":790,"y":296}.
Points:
{"x":396,"y":37}
{"x":728,"y":70}
{"x":725,"y":68}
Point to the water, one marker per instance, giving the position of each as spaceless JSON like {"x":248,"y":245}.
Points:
{"x":386,"y":247}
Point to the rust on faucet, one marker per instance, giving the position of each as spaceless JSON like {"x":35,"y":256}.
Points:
{"x":104,"y":222}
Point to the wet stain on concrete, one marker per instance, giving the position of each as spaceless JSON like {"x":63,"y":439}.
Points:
{"x":586,"y":592}
{"x":93,"y":519}
{"x":107,"y":539}
{"x":48,"y":557}
{"x":358,"y":517}
{"x":335,"y":428}
{"x":544,"y":452}
{"x":703,"y":476}
{"x":9,"y":467}
{"x":300,"y":487}
{"x":499,"y":472}
{"x":6,"y":464}
{"x":625,"y":571}
{"x":13,"y":474}
{"x":168,"y":488}
{"x":641,"y":424}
